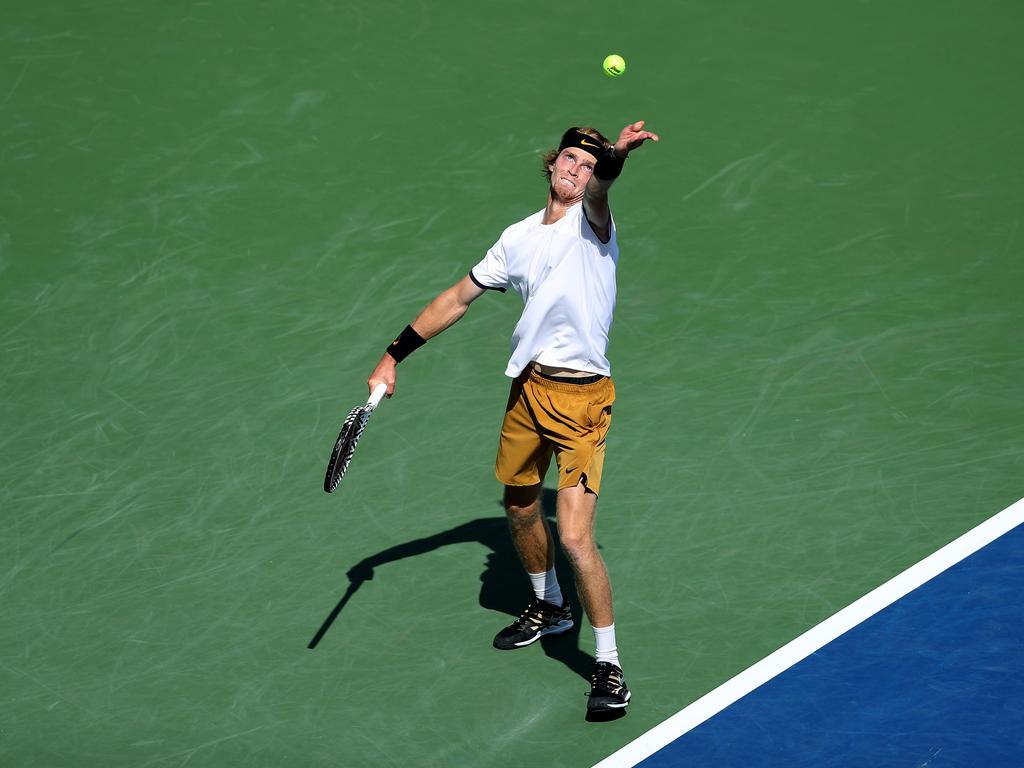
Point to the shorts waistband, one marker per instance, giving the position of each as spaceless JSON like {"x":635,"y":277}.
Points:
{"x":581,"y":380}
{"x":564,"y":383}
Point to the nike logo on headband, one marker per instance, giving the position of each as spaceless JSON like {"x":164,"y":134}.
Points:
{"x":576,"y":138}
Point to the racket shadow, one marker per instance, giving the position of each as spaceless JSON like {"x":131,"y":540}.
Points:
{"x":497,"y":591}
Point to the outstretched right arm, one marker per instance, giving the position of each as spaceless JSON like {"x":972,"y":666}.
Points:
{"x":438,"y":315}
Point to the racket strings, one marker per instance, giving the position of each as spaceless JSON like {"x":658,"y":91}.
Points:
{"x":351,"y":431}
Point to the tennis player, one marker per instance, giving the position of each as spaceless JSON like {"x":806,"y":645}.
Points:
{"x":561,"y":260}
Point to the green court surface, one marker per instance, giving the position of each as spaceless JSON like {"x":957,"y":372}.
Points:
{"x":214,"y":216}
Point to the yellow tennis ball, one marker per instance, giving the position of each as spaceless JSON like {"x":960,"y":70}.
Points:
{"x":614,"y":65}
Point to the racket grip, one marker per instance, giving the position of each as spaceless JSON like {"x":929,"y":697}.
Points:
{"x":376,"y":396}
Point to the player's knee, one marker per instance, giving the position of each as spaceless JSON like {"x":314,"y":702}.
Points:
{"x":522,"y":514}
{"x":521,"y":503}
{"x":578,"y":545}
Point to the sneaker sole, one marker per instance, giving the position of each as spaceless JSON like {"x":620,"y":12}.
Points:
{"x":605,"y":707}
{"x":563,"y":626}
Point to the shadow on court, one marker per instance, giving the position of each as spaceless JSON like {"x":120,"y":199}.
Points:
{"x":504,"y":586}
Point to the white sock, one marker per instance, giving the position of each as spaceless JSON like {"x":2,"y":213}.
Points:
{"x":604,"y":638}
{"x":545,"y":587}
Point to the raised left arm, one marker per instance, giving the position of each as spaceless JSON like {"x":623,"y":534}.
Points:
{"x":595,"y":198}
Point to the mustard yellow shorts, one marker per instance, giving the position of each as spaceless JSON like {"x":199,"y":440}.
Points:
{"x":546,"y":417}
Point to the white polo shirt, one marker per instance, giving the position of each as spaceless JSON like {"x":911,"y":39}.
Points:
{"x":566,"y":277}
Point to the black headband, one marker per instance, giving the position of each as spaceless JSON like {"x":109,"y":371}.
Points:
{"x":573,"y":138}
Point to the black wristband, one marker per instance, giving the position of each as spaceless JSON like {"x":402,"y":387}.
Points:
{"x":408,"y":341}
{"x":608,"y":166}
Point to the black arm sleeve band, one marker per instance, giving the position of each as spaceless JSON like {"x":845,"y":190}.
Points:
{"x":608,"y":166}
{"x":481,"y":285}
{"x":408,"y":341}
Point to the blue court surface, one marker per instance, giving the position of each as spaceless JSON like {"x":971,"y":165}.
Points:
{"x":934,"y":678}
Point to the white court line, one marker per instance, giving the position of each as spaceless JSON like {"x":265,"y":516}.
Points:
{"x":815,"y":638}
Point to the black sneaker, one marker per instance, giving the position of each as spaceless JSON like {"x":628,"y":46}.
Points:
{"x":539,"y":619}
{"x":608,"y":689}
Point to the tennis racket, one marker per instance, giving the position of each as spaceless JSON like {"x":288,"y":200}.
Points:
{"x":350,"y":433}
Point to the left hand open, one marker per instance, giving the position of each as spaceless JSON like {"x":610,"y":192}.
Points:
{"x":631,"y":137}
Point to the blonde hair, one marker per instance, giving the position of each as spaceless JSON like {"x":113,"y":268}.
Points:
{"x":549,"y":157}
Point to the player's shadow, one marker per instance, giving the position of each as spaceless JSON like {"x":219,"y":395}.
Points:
{"x":504,"y":587}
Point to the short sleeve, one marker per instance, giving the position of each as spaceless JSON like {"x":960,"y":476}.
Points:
{"x":491,"y":273}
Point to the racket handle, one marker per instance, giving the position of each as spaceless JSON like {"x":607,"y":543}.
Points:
{"x":376,"y":396}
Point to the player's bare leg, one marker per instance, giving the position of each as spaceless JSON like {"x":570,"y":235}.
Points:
{"x":529,"y":528}
{"x":576,"y":511}
{"x":547,"y":613}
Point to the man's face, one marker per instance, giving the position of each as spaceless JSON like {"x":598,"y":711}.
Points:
{"x":570,"y":173}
